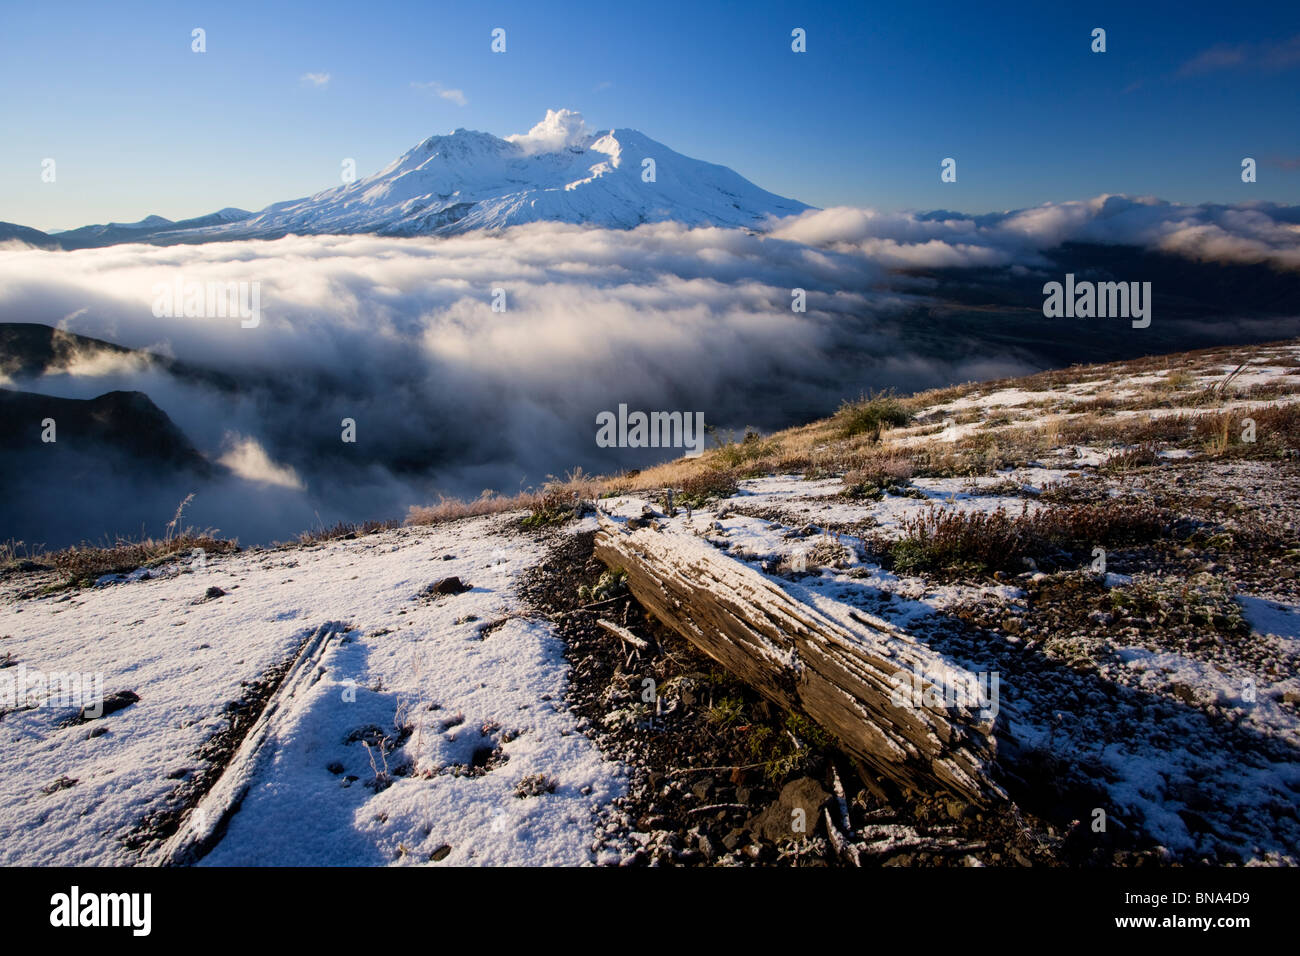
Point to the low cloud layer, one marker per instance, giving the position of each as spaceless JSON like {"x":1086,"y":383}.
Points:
{"x":1247,"y":233}
{"x":449,"y":395}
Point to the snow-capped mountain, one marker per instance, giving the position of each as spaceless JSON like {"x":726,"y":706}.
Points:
{"x":560,"y":171}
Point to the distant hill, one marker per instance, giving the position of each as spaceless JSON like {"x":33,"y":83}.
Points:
{"x":29,"y":350}
{"x":123,"y":425}
{"x":33,"y":237}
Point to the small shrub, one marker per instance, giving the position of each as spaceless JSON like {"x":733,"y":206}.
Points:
{"x":1219,"y":429}
{"x":870,"y":415}
{"x":1203,"y":599}
{"x":732,"y":455}
{"x":786,"y":748}
{"x":727,"y":712}
{"x":877,"y":475}
{"x":975,"y":541}
{"x":697,"y":490}
{"x":534,"y":785}
{"x":1139,"y":456}
{"x":557,"y":503}
{"x":612,"y":584}
{"x":825,"y":552}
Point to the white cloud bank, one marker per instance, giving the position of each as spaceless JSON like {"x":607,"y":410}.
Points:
{"x":1246,"y":233}
{"x":447,"y":394}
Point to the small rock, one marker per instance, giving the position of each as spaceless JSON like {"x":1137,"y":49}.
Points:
{"x":450,"y":585}
{"x":776,"y":823}
{"x":63,"y":783}
{"x":111,"y":704}
{"x":734,"y":839}
{"x":702,"y":789}
{"x":440,"y":853}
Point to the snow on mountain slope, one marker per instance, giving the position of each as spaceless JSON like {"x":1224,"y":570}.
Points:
{"x":434,"y":683}
{"x":560,"y":171}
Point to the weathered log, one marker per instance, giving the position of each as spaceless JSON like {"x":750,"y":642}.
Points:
{"x":842,"y":671}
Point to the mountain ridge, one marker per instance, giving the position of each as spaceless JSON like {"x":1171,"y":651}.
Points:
{"x":467,"y":180}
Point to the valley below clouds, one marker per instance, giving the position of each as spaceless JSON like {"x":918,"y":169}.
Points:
{"x":450,"y":396}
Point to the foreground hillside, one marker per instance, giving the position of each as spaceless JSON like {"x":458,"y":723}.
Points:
{"x":1118,"y":544}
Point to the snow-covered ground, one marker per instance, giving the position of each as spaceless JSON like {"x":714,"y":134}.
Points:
{"x":1017,"y":406}
{"x":420,"y":727}
{"x":472,"y":678}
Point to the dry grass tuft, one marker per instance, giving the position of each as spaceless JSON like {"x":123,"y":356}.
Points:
{"x":940,"y":539}
{"x":81,"y":564}
{"x":870,"y":415}
{"x":555,"y":502}
{"x":345,"y":529}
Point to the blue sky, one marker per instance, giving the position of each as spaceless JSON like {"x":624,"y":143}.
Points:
{"x":139,"y":124}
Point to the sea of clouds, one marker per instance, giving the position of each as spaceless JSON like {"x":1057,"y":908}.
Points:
{"x":448,"y":395}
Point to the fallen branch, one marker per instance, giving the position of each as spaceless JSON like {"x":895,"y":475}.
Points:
{"x":624,"y":634}
{"x":719,"y":806}
{"x":843,"y":849}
